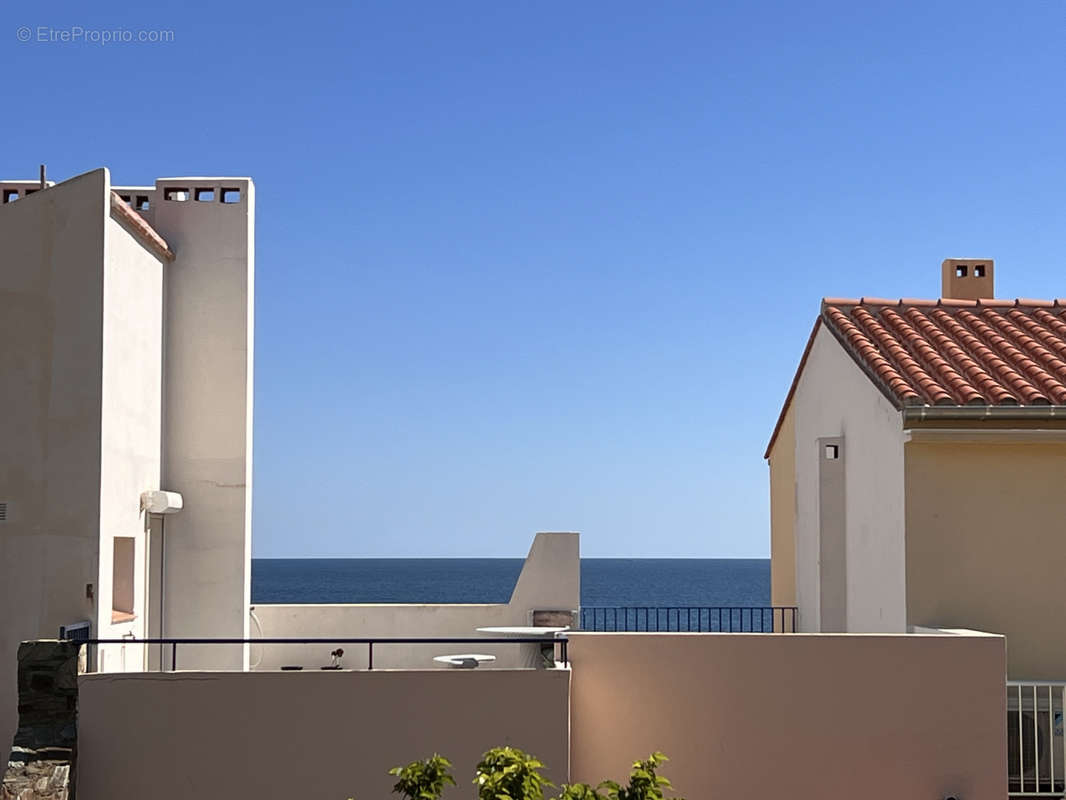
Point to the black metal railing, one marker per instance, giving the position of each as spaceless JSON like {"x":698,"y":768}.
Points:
{"x":682,"y":619}
{"x":544,"y":642}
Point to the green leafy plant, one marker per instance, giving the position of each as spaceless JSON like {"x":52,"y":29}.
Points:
{"x":579,"y":791}
{"x":506,"y":773}
{"x":423,"y":780}
{"x":644,"y":782}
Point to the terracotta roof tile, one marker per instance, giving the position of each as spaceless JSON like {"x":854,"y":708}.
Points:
{"x":956,"y":352}
{"x":1022,"y":301}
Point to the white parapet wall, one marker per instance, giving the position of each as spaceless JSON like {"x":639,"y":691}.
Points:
{"x":550,"y":580}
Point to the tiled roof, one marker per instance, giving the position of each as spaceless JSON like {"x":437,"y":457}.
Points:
{"x":950,"y":352}
{"x":140,"y":227}
{"x":957,"y":352}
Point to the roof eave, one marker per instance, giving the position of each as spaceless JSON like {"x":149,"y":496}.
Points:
{"x":792,"y":388}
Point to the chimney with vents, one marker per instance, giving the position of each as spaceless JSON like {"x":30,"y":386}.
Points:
{"x":968,"y":278}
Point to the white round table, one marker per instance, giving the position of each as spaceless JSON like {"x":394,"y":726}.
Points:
{"x":465,"y":660}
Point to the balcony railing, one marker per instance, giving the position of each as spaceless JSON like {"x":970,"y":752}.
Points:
{"x":683,"y":619}
{"x":1036,"y":757}
{"x":170,"y":645}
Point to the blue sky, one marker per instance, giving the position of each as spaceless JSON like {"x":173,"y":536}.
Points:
{"x":551,"y":266}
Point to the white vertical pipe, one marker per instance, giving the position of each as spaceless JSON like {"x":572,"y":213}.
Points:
{"x":1021,"y":744}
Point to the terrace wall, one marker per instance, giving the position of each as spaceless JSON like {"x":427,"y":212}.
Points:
{"x":799,"y":716}
{"x":328,"y":735}
{"x":807,"y":716}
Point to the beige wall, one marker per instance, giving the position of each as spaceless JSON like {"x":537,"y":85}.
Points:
{"x":309,"y":735}
{"x":51,"y":284}
{"x":806,"y":717}
{"x":986,"y":526}
{"x":782,"y":461}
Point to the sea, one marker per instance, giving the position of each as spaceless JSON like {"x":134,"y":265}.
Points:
{"x":604,"y":581}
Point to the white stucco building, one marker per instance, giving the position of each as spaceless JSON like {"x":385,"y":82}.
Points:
{"x":125,"y":368}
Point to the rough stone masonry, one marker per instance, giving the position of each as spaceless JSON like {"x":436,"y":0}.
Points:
{"x":43,"y":758}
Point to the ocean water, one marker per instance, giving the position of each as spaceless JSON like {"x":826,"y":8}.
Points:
{"x":604,"y":581}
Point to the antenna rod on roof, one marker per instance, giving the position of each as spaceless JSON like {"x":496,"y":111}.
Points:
{"x":44,"y":182}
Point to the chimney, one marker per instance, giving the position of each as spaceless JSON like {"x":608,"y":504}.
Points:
{"x":968,"y":278}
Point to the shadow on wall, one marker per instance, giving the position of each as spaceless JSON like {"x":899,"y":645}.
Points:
{"x":44,"y":755}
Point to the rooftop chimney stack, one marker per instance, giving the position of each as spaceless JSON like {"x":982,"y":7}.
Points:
{"x":968,"y":278}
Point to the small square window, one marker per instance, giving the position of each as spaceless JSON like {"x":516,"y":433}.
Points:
{"x":978,"y":270}
{"x":28,"y":192}
{"x":205,"y":195}
{"x":125,"y":198}
{"x":832,"y":452}
{"x":960,"y":271}
{"x":141,"y":203}
{"x":176,"y":193}
{"x":11,"y":195}
{"x":231,"y":195}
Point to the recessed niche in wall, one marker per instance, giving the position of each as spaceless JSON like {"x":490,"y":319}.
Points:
{"x":205,"y":195}
{"x":142,"y":202}
{"x":178,"y":194}
{"x":231,"y":195}
{"x":10,"y":195}
{"x":122,"y":577}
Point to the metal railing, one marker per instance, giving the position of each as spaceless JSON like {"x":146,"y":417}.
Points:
{"x":544,"y":642}
{"x":682,"y":619}
{"x":1036,"y":757}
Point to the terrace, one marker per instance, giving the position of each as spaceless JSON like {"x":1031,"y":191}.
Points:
{"x":739,"y":714}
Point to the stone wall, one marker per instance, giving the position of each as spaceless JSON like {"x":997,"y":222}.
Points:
{"x":43,"y":758}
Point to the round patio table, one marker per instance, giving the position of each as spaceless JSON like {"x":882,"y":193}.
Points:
{"x":465,"y":660}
